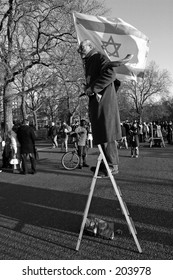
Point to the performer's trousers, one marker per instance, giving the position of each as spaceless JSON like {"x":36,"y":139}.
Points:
{"x":110,"y":151}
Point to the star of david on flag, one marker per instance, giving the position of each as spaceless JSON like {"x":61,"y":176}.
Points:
{"x":116,"y":39}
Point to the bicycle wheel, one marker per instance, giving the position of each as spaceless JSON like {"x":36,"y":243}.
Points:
{"x":70,"y":160}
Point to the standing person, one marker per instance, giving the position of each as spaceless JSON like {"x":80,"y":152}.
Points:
{"x":64,"y":131}
{"x":26,"y":137}
{"x":124,"y":137}
{"x":81,"y":132}
{"x":170,"y":132}
{"x":134,"y":140}
{"x":127,"y":127}
{"x":15,"y":145}
{"x":159,"y":134}
{"x":140,"y":125}
{"x":6,"y":150}
{"x":52,"y":133}
{"x":90,"y":136}
{"x":145,"y":131}
{"x":154,"y":129}
{"x":101,"y":87}
{"x":73,"y":133}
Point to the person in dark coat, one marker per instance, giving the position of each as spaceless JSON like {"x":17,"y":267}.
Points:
{"x":170,"y":133}
{"x":101,"y":86}
{"x":134,"y":140}
{"x":26,"y":138}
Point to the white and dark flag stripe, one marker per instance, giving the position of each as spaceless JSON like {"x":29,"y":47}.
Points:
{"x":116,"y":39}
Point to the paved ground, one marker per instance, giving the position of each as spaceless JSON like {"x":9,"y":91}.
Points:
{"x":41,"y":214}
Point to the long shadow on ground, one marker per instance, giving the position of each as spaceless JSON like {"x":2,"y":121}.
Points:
{"x":60,"y":210}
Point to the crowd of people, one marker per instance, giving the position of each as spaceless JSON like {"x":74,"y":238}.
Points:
{"x":19,"y":143}
{"x":134,"y":133}
{"x":78,"y":133}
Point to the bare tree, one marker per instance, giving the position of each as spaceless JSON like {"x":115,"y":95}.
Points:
{"x":36,"y":32}
{"x":29,"y":30}
{"x":154,"y":84}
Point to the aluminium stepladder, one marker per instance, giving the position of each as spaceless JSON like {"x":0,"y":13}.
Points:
{"x":123,"y":205}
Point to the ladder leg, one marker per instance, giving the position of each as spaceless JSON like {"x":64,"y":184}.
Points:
{"x":126,"y":214}
{"x":88,"y":203}
{"x":124,"y":209}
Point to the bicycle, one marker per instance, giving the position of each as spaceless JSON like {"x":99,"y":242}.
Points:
{"x":70,"y":160}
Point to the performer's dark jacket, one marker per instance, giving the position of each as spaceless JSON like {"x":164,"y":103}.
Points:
{"x":104,"y":112}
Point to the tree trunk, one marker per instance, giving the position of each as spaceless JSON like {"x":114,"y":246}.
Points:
{"x":23,"y":107}
{"x":7,"y":104}
{"x":35,"y":120}
{"x":140,"y":118}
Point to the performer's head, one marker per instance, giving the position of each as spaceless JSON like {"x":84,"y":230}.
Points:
{"x":85,"y":47}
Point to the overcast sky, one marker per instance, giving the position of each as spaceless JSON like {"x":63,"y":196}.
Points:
{"x":155,"y":19}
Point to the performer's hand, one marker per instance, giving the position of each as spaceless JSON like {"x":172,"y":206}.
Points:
{"x":89,"y":92}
